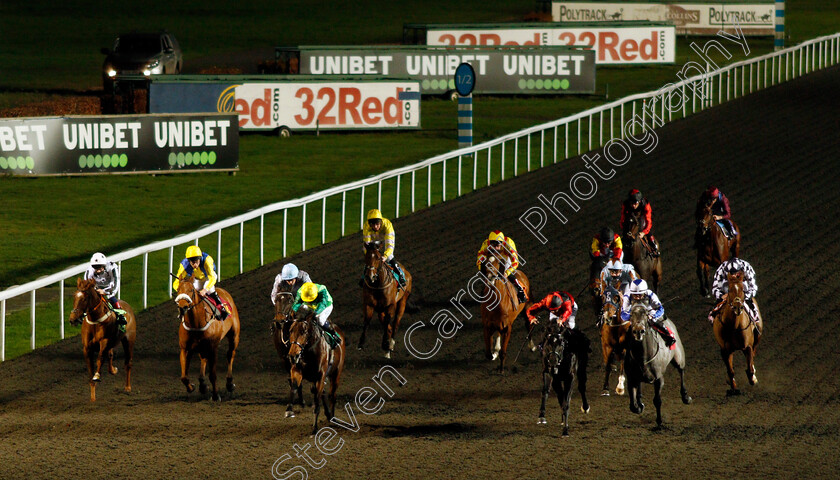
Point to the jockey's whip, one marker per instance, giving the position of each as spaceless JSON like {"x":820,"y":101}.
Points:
{"x":530,"y":331}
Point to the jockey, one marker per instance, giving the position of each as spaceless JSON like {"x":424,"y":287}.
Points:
{"x":606,"y":245}
{"x":623,"y":273}
{"x":720,"y":287}
{"x":638,"y":293}
{"x":637,"y":205}
{"x":318,"y":298}
{"x":503,"y":248}
{"x":561,"y":307}
{"x":380,"y":229}
{"x":201,"y":267}
{"x":720,"y":209}
{"x":292,"y":276}
{"x":107,"y":277}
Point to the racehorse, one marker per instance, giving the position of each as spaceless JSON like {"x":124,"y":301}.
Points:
{"x":382,"y":294}
{"x":280,"y":327}
{"x":613,"y":338}
{"x":560,"y":363}
{"x":735,"y":331}
{"x":314,"y":361}
{"x":500,"y":308}
{"x":713,"y":248}
{"x":100,"y":333}
{"x":647,"y":266}
{"x":646,"y":360}
{"x":200,"y":332}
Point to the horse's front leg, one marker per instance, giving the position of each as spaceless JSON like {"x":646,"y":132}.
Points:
{"x":111,"y":368}
{"x":581,"y":381}
{"x":211,"y":363}
{"x":506,"y":334}
{"x":564,"y":397}
{"x":487,"y":341}
{"x":546,"y":379}
{"x":295,"y":380}
{"x":233,"y":343}
{"x":367,"y":314}
{"x":749,"y":357}
{"x":657,"y":399}
{"x":186,"y":355}
{"x":619,"y":387}
{"x":103,"y":348}
{"x":202,"y":373}
{"x":317,"y":392}
{"x":90,"y":362}
{"x":607,"y":355}
{"x":385,"y":318}
{"x":703,"y":276}
{"x":730,"y":372}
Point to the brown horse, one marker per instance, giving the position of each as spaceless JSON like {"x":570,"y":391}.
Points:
{"x":314,"y":361}
{"x":381,"y":294}
{"x":280,"y":330}
{"x":201,"y":332}
{"x":647,"y":266}
{"x":614,"y":332}
{"x":100,"y":333}
{"x":713,"y":248}
{"x":500,"y":308}
{"x":735,"y":331}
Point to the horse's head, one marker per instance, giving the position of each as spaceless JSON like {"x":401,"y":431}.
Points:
{"x":374,"y":262}
{"x":611,"y":305}
{"x":597,"y":287}
{"x":86,"y":298}
{"x":300,"y":333}
{"x":707,"y":220}
{"x":638,"y":321}
{"x":735,"y":296}
{"x":187,"y":296}
{"x":553,"y":348}
{"x":632,"y":225}
{"x":492,"y":268}
{"x":283,"y":301}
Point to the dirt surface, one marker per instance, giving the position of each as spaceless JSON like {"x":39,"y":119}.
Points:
{"x":773,"y":153}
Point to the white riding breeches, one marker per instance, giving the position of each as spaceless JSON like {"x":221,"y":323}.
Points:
{"x":570,"y":322}
{"x":199,"y":284}
{"x":324,"y":315}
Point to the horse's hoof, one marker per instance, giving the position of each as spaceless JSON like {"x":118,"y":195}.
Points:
{"x":641,"y":408}
{"x":619,"y":391}
{"x":388,"y":355}
{"x":290,"y":414}
{"x":584,"y":408}
{"x":733,"y":392}
{"x":190,"y":388}
{"x":230,"y":385}
{"x":113,"y":371}
{"x":95,"y":377}
{"x":494,"y":356}
{"x":753,"y":380}
{"x":687,"y":400}
{"x":217,"y":398}
{"x":127,"y":389}
{"x":565,"y":432}
{"x":541,"y":421}
{"x":605,"y":393}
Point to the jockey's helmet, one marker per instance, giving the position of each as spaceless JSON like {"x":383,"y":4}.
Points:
{"x":606,"y":235}
{"x":193,"y":251}
{"x":635,"y":196}
{"x":615,"y":266}
{"x":289,"y":272}
{"x":556,"y":302}
{"x":308,"y":292}
{"x":714,"y":192}
{"x":374,"y":214}
{"x":98,"y":259}
{"x":638,"y":289}
{"x":732,"y":266}
{"x":496,"y":236}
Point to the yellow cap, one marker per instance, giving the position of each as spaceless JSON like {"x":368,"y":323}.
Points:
{"x":193,"y":251}
{"x":308,"y":292}
{"x":374,"y":214}
{"x":496,"y":236}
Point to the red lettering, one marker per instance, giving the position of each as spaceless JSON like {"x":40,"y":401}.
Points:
{"x":264,"y":105}
{"x":240,"y":106}
{"x":535,"y":42}
{"x":447,"y":39}
{"x":647,"y":48}
{"x":467,"y":39}
{"x":588,"y":38}
{"x":391,"y":103}
{"x":345,"y":105}
{"x":607,"y":41}
{"x":490,"y":39}
{"x":372,"y":106}
{"x":629,"y":48}
{"x":567,"y":37}
{"x":323,"y":118}
{"x":307,"y":105}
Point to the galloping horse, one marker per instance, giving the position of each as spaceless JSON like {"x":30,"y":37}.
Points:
{"x":312,"y":360}
{"x":500,"y":308}
{"x":280,"y":330}
{"x":735,"y":331}
{"x":560,"y":364}
{"x":713,"y":248}
{"x":613,"y":338}
{"x":646,"y":360}
{"x":647,"y":266}
{"x":201,"y":332}
{"x":100,"y":333}
{"x":381,"y":294}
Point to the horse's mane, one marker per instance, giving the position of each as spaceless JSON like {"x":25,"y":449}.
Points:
{"x":85,"y":284}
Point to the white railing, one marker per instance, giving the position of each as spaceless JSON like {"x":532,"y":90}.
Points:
{"x":731,"y":81}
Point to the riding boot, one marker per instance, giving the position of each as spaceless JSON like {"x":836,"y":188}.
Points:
{"x":520,"y":292}
{"x":220,"y":306}
{"x":333,"y":338}
{"x":121,"y":322}
{"x":654,"y":246}
{"x":398,"y":271}
{"x":666,"y":334}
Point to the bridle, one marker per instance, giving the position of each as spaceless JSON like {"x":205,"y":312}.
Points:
{"x":555,"y":347}
{"x":373,"y":252}
{"x":287,"y":315}
{"x":639,"y":329}
{"x":192,"y":303}
{"x":83,"y":313}
{"x":307,"y":333}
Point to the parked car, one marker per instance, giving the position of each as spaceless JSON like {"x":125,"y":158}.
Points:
{"x":141,"y":54}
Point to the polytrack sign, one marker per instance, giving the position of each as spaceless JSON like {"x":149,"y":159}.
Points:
{"x":499,"y":70}
{"x":328,"y":105}
{"x":755,"y":17}
{"x":614,"y":44}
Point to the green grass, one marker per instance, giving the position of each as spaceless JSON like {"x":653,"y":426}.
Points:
{"x":52,"y":223}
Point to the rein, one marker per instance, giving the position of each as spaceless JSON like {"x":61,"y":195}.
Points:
{"x":195,"y":304}
{"x":658,"y":347}
{"x":376,"y":271}
{"x":84,"y":314}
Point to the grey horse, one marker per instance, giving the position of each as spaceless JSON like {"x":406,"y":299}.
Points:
{"x":647,"y":358}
